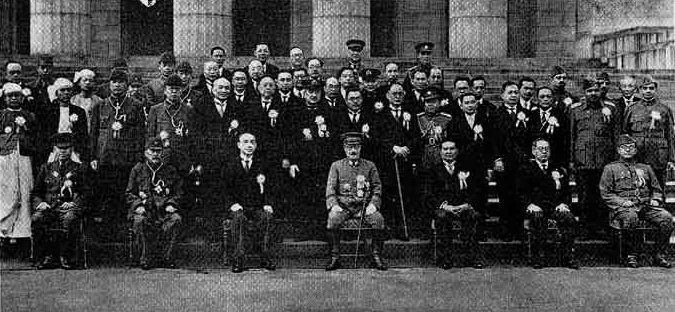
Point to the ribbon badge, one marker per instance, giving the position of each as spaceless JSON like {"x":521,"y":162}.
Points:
{"x":606,"y":114}
{"x":552,"y":124}
{"x":556,"y":175}
{"x":477,"y":132}
{"x":361,"y":186}
{"x":640,"y":179}
{"x":655,"y":117}
{"x":463,"y":175}
{"x":521,"y":119}
{"x":260,"y":179}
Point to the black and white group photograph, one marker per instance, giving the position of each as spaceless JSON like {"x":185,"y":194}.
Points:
{"x":337,"y":155}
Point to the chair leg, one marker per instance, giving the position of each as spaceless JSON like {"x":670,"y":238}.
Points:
{"x":83,"y":237}
{"x":528,"y":235}
{"x":435,"y":240}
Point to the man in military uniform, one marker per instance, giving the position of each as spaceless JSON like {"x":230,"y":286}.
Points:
{"x":155,"y":87}
{"x":353,"y":190}
{"x":369,"y":77}
{"x":60,"y":198}
{"x":424,"y":51}
{"x":632,"y":192}
{"x":562,"y":98}
{"x":485,"y":107}
{"x":594,"y":126}
{"x":543,"y":192}
{"x":250,"y":192}
{"x":116,"y":141}
{"x":154,"y":194}
{"x":433,"y":125}
{"x":650,"y":123}
{"x":189,"y":95}
{"x":355,"y":47}
{"x":170,"y":121}
{"x":451,"y":192}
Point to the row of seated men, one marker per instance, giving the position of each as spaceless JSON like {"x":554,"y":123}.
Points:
{"x":353,"y":191}
{"x":301,"y":136}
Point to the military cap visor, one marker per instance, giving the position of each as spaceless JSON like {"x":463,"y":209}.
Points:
{"x":155,"y":145}
{"x":431,"y":94}
{"x":356,"y":45}
{"x":62,"y":140}
{"x":352,"y":138}
{"x":370,"y":74}
{"x":625,"y":139}
{"x":174,"y":81}
{"x":424,"y":47}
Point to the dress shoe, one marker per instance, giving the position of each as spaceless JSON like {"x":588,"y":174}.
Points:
{"x":660,"y":261}
{"x":47,"y":264}
{"x":268,"y":265}
{"x":66,"y":265}
{"x":378,"y":264}
{"x":478,"y":265}
{"x":238,"y":266}
{"x":572,"y":264}
{"x":631,"y":262}
{"x":334,"y":264}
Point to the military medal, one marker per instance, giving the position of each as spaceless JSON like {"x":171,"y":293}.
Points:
{"x":117,"y":125}
{"x":178,"y":127}
{"x":606,"y":114}
{"x":656,"y":116}
{"x":20,"y":122}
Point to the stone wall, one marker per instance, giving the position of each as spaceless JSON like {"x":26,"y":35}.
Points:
{"x":106,"y":38}
{"x":301,"y":25}
{"x":556,"y":28}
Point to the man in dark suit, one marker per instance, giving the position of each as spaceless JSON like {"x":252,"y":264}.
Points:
{"x":216,"y":127}
{"x":511,"y":142}
{"x":485,"y":107}
{"x":218,"y":56}
{"x":473,"y":132}
{"x":261,"y":118}
{"x":249,"y":193}
{"x":285,"y":89}
{"x":451,"y":192}
{"x":397,"y":131}
{"x":543,"y":192}
{"x":45,"y":79}
{"x":353,"y":118}
{"x":241,"y":92}
{"x":63,"y":117}
{"x":262,"y":54}
{"x":629,"y":96}
{"x":551,"y":123}
{"x":527,"y":87}
{"x":413,"y":99}
{"x":333,"y":100}
{"x":209,"y":75}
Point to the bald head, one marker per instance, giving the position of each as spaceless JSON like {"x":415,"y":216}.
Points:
{"x":255,"y":69}
{"x":267,"y":87}
{"x":211,"y":70}
{"x":221,"y":89}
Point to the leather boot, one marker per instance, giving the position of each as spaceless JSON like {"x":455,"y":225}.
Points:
{"x":334,"y":239}
{"x":377,"y":246}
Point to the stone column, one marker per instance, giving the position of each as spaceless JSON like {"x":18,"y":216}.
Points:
{"x":477,"y":29}
{"x":200,"y":25}
{"x":410,"y":31}
{"x":60,"y":27}
{"x":336,"y":21}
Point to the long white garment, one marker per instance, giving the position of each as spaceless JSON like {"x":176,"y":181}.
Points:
{"x":15,"y":211}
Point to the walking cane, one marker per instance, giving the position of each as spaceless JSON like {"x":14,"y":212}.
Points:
{"x":358,"y":234}
{"x":400,"y":197}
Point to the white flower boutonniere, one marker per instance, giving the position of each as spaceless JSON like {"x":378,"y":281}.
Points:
{"x":556,"y":175}
{"x":606,"y":114}
{"x":378,"y":106}
{"x":655,"y":116}
{"x":74,"y":118}
{"x":463,"y":175}
{"x":406,"y":116}
{"x":319,"y":120}
{"x":477,"y":132}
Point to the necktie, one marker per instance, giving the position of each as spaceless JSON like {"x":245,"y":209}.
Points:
{"x":247,"y":165}
{"x":397,"y":114}
{"x":450,"y":168}
{"x":240,"y":98}
{"x":512,"y":111}
{"x":284,"y":98}
{"x":266,"y":105}
{"x":544,"y":166}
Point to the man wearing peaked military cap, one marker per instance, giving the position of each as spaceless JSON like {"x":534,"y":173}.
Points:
{"x":423,"y":51}
{"x":61,"y":195}
{"x":369,"y":80}
{"x":167,"y":63}
{"x":171,"y":121}
{"x":632,"y":192}
{"x":188,"y":95}
{"x":651,"y":122}
{"x":433,"y":124}
{"x":354,"y":191}
{"x":154,"y":195}
{"x":355,"y":47}
{"x":562,"y":99}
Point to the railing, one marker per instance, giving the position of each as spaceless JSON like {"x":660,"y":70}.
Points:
{"x":637,"y":48}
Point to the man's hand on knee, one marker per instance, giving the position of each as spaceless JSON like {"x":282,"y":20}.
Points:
{"x":370,"y":209}
{"x":268,"y":209}
{"x":534,"y":209}
{"x":562,"y":208}
{"x":42,"y":206}
{"x":140,"y":210}
{"x":336,"y":209}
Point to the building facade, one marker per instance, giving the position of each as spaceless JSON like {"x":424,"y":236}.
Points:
{"x":459,"y":28}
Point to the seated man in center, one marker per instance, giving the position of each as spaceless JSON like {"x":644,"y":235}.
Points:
{"x":249,"y":193}
{"x":543,"y":191}
{"x":354,"y":190}
{"x":451,"y":192}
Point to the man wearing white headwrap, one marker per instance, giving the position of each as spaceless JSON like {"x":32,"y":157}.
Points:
{"x":17,"y":134}
{"x":86,"y":99}
{"x":63,"y":117}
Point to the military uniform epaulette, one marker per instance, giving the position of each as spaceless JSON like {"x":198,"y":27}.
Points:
{"x":577,"y":104}
{"x":444,"y":114}
{"x":420,"y":114}
{"x":608,"y":103}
